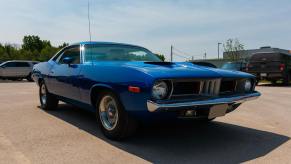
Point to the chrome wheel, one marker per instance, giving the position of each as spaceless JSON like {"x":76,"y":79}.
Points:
{"x":43,"y":95}
{"x":108,"y":112}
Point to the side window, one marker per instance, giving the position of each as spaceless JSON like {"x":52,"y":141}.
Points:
{"x":73,"y":53}
{"x":10,"y":64}
{"x":22,"y":64}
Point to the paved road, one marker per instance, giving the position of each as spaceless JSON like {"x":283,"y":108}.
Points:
{"x":259,"y":131}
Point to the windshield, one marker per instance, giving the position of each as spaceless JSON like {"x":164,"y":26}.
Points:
{"x":113,"y":52}
{"x":2,"y":64}
{"x":231,"y":66}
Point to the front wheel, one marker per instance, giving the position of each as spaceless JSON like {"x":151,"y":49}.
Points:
{"x":47,"y":100}
{"x":114,"y":121}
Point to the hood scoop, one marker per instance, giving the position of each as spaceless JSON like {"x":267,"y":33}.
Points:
{"x":160,"y":63}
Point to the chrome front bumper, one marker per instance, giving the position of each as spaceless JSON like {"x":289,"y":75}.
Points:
{"x":153,"y":107}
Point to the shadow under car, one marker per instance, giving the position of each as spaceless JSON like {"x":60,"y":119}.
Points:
{"x":215,"y":142}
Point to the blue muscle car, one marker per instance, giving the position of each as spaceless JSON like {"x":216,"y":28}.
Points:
{"x":126,"y":84}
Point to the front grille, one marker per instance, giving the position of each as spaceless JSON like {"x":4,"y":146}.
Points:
{"x":210,"y":87}
{"x":195,"y":88}
{"x":186,"y":88}
{"x":205,"y":88}
{"x":227,"y":87}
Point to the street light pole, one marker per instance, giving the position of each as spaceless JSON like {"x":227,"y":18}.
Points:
{"x":218,"y":44}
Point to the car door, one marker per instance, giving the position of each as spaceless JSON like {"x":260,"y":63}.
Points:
{"x":64,"y":78}
{"x":9,"y":69}
{"x":23,"y":69}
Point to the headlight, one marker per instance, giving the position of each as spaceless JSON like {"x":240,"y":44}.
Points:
{"x":248,"y":86}
{"x":160,"y":90}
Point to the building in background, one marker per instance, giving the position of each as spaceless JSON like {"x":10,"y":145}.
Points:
{"x":246,"y":54}
{"x":243,"y":55}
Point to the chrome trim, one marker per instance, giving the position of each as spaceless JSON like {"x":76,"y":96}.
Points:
{"x":210,"y":87}
{"x":153,"y":107}
{"x":172,"y":89}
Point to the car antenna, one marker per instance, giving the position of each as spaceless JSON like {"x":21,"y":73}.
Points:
{"x":89,"y":21}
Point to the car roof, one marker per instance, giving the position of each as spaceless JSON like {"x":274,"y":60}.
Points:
{"x":21,"y":61}
{"x":104,"y":43}
{"x":234,"y":62}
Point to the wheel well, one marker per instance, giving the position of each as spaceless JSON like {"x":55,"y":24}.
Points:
{"x":39,"y":81}
{"x":95,"y":93}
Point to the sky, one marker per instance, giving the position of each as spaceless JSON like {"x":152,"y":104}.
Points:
{"x":192,"y":27}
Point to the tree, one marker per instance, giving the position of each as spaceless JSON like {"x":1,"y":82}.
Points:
{"x":46,"y":43}
{"x":32,"y":43}
{"x":47,"y":52}
{"x":33,"y":48}
{"x":161,"y":56}
{"x":63,"y":45}
{"x":233,"y":48}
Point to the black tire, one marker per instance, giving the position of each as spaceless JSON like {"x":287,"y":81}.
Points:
{"x":274,"y":82}
{"x":257,"y":82}
{"x":125,"y":125}
{"x":16,"y":79}
{"x":49,"y":102}
{"x":29,"y":78}
{"x":205,"y":120}
{"x":286,"y":79}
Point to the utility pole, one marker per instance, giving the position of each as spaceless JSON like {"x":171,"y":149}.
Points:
{"x":205,"y":55}
{"x":171,"y":53}
{"x":218,"y":45}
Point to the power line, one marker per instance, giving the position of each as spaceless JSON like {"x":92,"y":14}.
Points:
{"x":182,"y":56}
{"x":183,"y":52}
{"x":179,"y":53}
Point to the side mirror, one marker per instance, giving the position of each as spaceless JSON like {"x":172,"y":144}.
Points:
{"x":2,"y":66}
{"x":68,"y":60}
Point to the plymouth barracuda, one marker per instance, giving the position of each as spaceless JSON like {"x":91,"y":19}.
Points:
{"x":127,"y":84}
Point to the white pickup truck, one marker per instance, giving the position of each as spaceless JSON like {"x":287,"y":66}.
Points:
{"x":16,"y":70}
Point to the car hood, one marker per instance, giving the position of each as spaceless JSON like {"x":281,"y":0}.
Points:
{"x":183,"y":70}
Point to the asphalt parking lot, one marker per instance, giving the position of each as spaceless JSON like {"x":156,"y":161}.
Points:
{"x":258,"y":132}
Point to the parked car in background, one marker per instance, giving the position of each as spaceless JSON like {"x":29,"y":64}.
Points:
{"x":205,"y":64}
{"x":235,"y":66}
{"x":125,"y":84}
{"x":271,"y":66}
{"x":17,"y":70}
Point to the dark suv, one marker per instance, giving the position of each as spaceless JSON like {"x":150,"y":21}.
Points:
{"x":271,"y":66}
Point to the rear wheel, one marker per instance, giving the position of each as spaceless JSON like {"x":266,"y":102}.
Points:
{"x":205,"y":120}
{"x":47,"y":100}
{"x":286,"y":79}
{"x":29,"y":78}
{"x":114,"y":121}
{"x":274,"y":82}
{"x":16,"y":79}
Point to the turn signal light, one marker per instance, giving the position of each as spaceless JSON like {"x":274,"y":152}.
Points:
{"x":134,"y":89}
